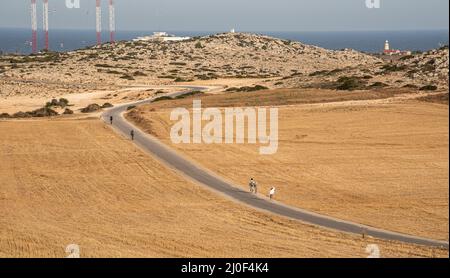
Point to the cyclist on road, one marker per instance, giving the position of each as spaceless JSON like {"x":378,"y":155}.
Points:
{"x":253,"y":186}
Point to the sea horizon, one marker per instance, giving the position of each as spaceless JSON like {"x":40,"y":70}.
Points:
{"x":16,"y":40}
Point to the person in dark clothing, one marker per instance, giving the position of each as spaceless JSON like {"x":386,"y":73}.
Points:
{"x":253,"y":186}
{"x":132,"y":135}
{"x":111,"y":119}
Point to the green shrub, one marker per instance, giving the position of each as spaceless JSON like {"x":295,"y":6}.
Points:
{"x":63,"y":101}
{"x":410,"y":86}
{"x":190,"y":94}
{"x":162,"y":98}
{"x":181,"y":79}
{"x":378,"y":85}
{"x":178,"y":63}
{"x":247,"y":89}
{"x":320,"y":72}
{"x":107,"y":105}
{"x":407,"y":57}
{"x":429,"y":88}
{"x":127,"y":77}
{"x":345,"y":83}
{"x":393,"y":68}
{"x":139,"y":73}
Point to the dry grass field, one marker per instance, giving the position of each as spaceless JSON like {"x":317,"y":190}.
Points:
{"x":76,"y":181}
{"x":383,"y":163}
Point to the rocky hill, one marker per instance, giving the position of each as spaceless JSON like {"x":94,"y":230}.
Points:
{"x":426,"y":71}
{"x":224,"y":55}
{"x":279,"y":63}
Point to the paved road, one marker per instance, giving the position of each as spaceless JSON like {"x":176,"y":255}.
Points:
{"x":205,"y":177}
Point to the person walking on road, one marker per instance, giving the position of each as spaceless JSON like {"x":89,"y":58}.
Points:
{"x":111,"y":119}
{"x":271,"y":193}
{"x":253,"y":186}
{"x":132,"y":135}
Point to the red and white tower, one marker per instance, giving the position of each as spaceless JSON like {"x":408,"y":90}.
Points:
{"x":45,"y":23}
{"x":112,"y":21}
{"x":34,"y":26}
{"x":98,"y":13}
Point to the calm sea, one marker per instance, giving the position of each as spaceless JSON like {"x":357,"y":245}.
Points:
{"x":18,"y":40}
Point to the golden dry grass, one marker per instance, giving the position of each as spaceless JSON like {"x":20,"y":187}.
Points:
{"x":65,"y":182}
{"x":384,"y":165}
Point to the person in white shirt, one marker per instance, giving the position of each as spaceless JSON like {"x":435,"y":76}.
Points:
{"x":271,"y":193}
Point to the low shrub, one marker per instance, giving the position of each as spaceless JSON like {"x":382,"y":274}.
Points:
{"x":162,"y":98}
{"x":190,"y":94}
{"x":247,"y":89}
{"x":429,"y":88}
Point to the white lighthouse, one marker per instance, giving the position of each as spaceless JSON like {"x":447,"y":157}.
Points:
{"x":387,"y":48}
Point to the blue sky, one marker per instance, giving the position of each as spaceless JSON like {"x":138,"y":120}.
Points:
{"x":244,"y":15}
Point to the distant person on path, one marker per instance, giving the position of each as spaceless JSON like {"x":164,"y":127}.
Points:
{"x":111,"y":119}
{"x":253,"y":186}
{"x":132,"y":135}
{"x":271,"y":193}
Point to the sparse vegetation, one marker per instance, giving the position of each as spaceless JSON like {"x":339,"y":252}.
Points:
{"x":139,"y":73}
{"x":190,"y":94}
{"x":407,"y":57}
{"x":438,"y":98}
{"x":127,"y":77}
{"x":247,"y":89}
{"x":178,"y":63}
{"x":182,"y":79}
{"x":429,"y":88}
{"x":162,"y":98}
{"x":351,"y":83}
{"x":410,"y":86}
{"x":107,"y":105}
{"x":91,"y":108}
{"x":62,"y":102}
{"x":379,"y":85}
{"x":68,"y":111}
{"x":318,"y":73}
{"x":393,"y":68}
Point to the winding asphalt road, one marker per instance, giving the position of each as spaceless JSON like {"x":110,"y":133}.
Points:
{"x":205,"y":177}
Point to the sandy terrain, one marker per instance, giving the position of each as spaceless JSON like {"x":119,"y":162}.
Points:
{"x":383,"y":164}
{"x":115,"y":95}
{"x":377,"y":160}
{"x":228,"y":60}
{"x":77,"y":182}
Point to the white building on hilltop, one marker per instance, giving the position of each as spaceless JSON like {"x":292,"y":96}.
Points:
{"x":161,"y":36}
